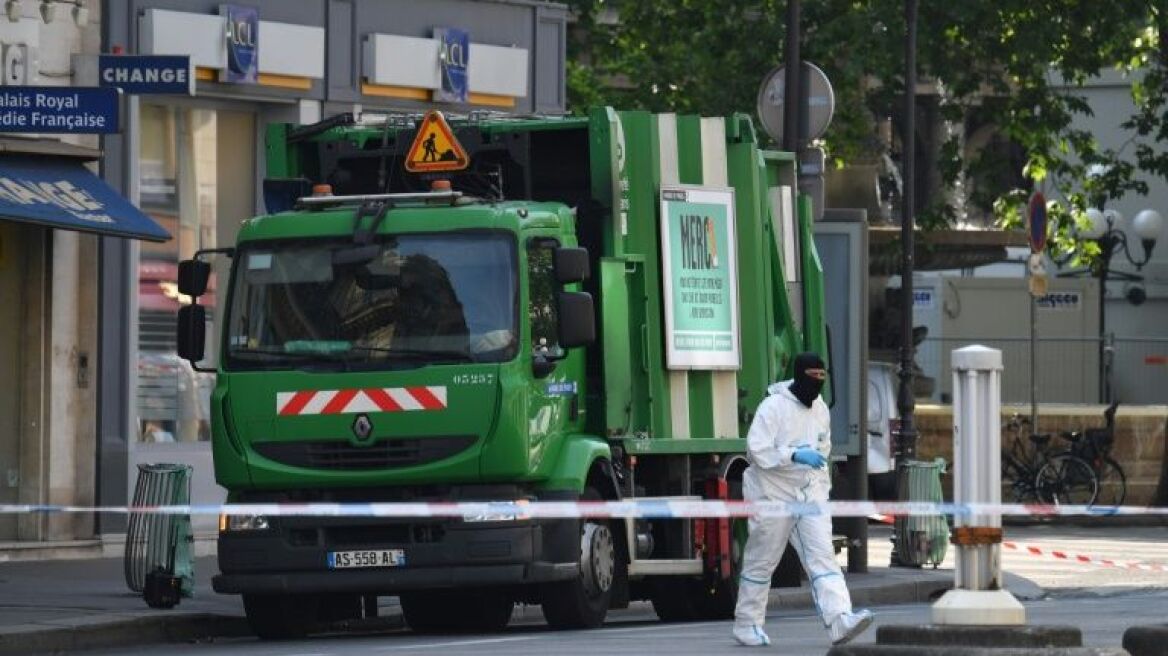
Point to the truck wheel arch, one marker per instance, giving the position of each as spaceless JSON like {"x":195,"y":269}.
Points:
{"x":602,"y":478}
{"x":732,"y":467}
{"x":583,"y":460}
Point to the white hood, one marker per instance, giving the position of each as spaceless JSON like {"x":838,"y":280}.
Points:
{"x":782,"y":387}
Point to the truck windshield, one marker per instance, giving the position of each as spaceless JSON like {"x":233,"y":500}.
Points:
{"x":404,"y":301}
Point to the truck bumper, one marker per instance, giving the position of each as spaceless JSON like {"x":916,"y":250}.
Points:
{"x":292,"y":556}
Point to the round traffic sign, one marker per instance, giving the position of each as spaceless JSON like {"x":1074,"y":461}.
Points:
{"x":817,"y":110}
{"x":1036,"y":222}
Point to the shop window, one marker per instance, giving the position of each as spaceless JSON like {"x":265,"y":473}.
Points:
{"x":196,"y":174}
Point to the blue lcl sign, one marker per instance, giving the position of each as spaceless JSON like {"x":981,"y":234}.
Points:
{"x":243,"y":44}
{"x":141,"y":74}
{"x":454,"y":59}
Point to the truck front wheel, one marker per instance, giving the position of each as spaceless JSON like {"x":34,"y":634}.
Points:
{"x":582,"y":603}
{"x":280,"y":617}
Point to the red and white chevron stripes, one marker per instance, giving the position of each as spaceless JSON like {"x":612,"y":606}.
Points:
{"x":369,"y":399}
{"x":1083,"y":559}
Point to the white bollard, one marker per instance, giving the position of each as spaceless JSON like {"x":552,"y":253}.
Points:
{"x":978,"y":597}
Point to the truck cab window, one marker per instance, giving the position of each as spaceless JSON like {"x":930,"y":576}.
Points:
{"x":542,"y":311}
{"x":421,"y":299}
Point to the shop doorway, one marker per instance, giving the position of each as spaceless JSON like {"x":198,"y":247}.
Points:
{"x":12,"y":283}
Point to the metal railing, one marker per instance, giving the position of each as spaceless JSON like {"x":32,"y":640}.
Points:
{"x":1136,"y":368}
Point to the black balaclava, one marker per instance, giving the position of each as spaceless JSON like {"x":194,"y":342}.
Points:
{"x":805,"y":388}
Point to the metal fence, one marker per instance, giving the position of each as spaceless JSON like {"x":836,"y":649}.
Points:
{"x":1067,"y":369}
{"x":1138,"y":369}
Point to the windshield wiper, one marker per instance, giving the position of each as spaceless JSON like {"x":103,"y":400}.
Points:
{"x":265,"y":355}
{"x":349,"y":359}
{"x":251,"y":353}
{"x":419,"y":354}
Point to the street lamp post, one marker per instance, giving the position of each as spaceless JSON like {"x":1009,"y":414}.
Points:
{"x":1105,"y":227}
{"x":905,"y":447}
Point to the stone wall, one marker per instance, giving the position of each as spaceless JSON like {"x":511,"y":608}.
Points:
{"x":1139,"y":438}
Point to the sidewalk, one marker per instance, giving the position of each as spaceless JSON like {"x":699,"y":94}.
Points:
{"x":66,"y":605}
{"x":62,"y":605}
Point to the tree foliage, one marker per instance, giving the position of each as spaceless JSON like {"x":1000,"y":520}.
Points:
{"x":1020,"y":65}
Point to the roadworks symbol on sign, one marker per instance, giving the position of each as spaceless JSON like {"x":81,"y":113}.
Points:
{"x":435,"y":148}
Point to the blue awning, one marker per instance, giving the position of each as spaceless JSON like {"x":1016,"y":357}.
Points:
{"x":61,"y":193}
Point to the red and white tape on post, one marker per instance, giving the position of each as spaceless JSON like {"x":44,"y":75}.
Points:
{"x":1055,"y":554}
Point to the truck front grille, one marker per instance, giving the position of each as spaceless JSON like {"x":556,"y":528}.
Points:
{"x":382,"y":454}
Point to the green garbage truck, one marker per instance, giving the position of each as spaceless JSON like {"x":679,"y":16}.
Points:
{"x":498,"y":307}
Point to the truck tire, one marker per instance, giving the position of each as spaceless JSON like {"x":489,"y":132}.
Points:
{"x":716,"y":601}
{"x":582,"y":603}
{"x":690,"y":599}
{"x":677,"y":599}
{"x":450,"y":611}
{"x":280,"y":617}
{"x":674,"y":599}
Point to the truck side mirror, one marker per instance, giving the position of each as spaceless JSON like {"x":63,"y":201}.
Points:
{"x":192,"y":332}
{"x":192,"y":277}
{"x":577,"y":319}
{"x":571,"y":265}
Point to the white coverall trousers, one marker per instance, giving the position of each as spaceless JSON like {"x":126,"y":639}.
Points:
{"x":811,"y":537}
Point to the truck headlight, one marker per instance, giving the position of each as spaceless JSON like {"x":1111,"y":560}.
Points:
{"x":232,"y":523}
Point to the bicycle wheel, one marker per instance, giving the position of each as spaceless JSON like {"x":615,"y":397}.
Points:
{"x":1112,"y":483}
{"x":1066,"y":480}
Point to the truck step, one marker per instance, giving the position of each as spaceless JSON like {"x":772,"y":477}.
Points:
{"x":665,"y":566}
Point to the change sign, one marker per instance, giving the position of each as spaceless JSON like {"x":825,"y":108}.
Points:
{"x":701,"y":277}
{"x":138,"y":74}
{"x":73,"y":110}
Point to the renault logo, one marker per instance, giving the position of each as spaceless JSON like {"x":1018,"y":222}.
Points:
{"x":362,"y":428}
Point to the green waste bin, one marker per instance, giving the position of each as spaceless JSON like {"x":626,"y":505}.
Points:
{"x":156,"y":541}
{"x":921,"y":539}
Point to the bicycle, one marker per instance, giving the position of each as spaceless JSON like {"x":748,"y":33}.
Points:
{"x":1037,"y":475}
{"x":1094,"y":447}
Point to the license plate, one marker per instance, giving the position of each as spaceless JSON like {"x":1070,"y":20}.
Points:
{"x":367,"y":558}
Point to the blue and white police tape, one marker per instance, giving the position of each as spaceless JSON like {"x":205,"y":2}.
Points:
{"x":630,"y":508}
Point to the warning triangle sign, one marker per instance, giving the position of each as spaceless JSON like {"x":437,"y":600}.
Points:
{"x":435,"y":148}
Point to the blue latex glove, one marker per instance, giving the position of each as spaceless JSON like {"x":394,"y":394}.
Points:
{"x":810,"y":457}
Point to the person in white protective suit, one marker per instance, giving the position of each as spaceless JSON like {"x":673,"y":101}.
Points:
{"x":788,"y":447}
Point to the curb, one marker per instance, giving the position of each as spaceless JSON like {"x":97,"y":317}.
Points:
{"x":92,"y":633}
{"x":1148,"y":640}
{"x":1024,"y":636}
{"x":905,"y":650}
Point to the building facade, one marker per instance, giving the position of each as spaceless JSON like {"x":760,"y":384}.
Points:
{"x":195,"y":164}
{"x":48,"y":292}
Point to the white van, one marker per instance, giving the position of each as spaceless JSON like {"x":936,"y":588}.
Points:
{"x":883,"y":422}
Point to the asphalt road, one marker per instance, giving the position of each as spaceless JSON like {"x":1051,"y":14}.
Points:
{"x":636,"y":630}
